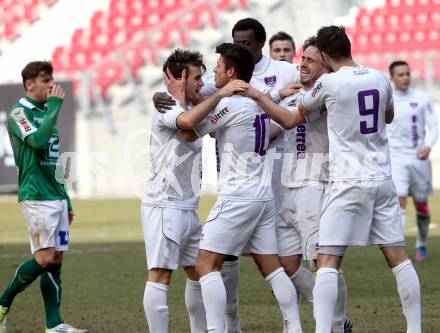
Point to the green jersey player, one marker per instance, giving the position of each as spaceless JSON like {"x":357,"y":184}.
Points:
{"x":43,"y":201}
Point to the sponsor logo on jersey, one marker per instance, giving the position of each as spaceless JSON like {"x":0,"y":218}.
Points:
{"x":301,"y":141}
{"x":293,"y":102}
{"x":17,"y":111}
{"x":25,"y":124}
{"x":216,"y":116}
{"x":413,"y":104}
{"x":316,"y":89}
{"x":270,"y":81}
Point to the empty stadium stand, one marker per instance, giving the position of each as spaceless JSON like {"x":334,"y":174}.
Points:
{"x":17,"y":14}
{"x":130,"y":33}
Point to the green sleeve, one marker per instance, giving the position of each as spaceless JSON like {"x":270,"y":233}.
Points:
{"x":39,"y":139}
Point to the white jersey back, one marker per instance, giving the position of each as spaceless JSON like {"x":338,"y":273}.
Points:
{"x":413,"y":113}
{"x":305,"y":147}
{"x":356,"y":99}
{"x":242,"y":134}
{"x":176,"y":165}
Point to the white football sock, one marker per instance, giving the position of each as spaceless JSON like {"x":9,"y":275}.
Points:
{"x":408,"y":286}
{"x":195,"y":307}
{"x":214,"y":299}
{"x":403,"y":214}
{"x":341,"y":305}
{"x":156,"y":307}
{"x":285,"y":294}
{"x":304,"y":281}
{"x":231,"y":277}
{"x":325,"y":295}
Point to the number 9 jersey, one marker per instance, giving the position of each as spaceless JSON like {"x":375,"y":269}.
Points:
{"x":358,"y":143}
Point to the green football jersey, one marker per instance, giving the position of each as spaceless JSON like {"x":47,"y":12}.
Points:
{"x":36,"y":149}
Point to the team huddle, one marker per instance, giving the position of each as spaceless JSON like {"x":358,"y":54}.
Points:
{"x":311,"y":158}
{"x":304,"y":171}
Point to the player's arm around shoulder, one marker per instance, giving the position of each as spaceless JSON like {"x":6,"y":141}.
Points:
{"x":316,"y":98}
{"x":287,"y":119}
{"x":194,"y":116}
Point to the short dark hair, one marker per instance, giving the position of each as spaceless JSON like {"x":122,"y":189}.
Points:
{"x":396,"y":63}
{"x":36,"y":68}
{"x":238,"y":56}
{"x":251,"y":24}
{"x":180,"y":59}
{"x":281,"y":35}
{"x":333,"y":41}
{"x":311,"y":41}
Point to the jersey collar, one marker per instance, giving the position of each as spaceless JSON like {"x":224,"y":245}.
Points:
{"x":31,"y":104}
{"x":262,"y":65}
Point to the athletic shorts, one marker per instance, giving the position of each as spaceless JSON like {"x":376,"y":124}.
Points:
{"x":356,"y":214}
{"x":48,"y":223}
{"x":171,"y":236}
{"x":298,"y":228}
{"x":412,"y":176}
{"x":240,"y":227}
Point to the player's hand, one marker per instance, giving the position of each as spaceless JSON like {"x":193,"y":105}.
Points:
{"x":163,"y":102}
{"x":251,"y":92}
{"x":56,"y":91}
{"x":290,"y":89}
{"x":423,"y":152}
{"x":71,"y":217}
{"x":176,"y":87}
{"x":233,"y":87}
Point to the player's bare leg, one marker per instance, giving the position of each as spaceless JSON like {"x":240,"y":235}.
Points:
{"x":208,"y":267}
{"x":155,"y":299}
{"x":283,"y":289}
{"x":408,"y":285}
{"x":194,"y":301}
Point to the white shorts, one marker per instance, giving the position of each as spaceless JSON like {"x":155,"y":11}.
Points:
{"x":412,"y":176}
{"x":356,"y":214}
{"x":298,"y":229}
{"x":171,"y":236}
{"x":48,"y":223}
{"x":240,"y":227}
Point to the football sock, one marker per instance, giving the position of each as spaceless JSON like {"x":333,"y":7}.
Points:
{"x":195,"y":307}
{"x":50,"y":286}
{"x":285,"y":294}
{"x":408,"y":286}
{"x":423,"y":221}
{"x":325,"y":295}
{"x":214,"y":299}
{"x":304,"y":281}
{"x":231,"y":276}
{"x":403,"y":215}
{"x":156,"y":307}
{"x":25,"y":274}
{"x":341,"y":304}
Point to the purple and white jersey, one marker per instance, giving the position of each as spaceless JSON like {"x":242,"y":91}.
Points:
{"x":356,"y":99}
{"x":272,"y":75}
{"x":305,"y":147}
{"x":176,"y":165}
{"x":242,"y":134}
{"x":413,"y":113}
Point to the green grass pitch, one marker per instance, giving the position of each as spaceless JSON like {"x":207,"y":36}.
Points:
{"x":104,"y":276}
